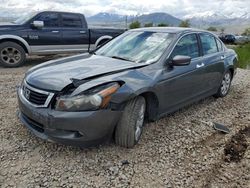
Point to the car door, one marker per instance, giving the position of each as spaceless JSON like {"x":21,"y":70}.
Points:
{"x":182,"y":84}
{"x":213,"y":59}
{"x":48,"y":38}
{"x":75,"y":32}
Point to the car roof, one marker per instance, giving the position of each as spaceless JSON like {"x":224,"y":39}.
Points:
{"x":175,"y":30}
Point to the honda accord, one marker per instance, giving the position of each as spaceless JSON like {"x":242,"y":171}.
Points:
{"x":141,"y":75}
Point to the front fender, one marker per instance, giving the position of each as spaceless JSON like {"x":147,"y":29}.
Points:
{"x":20,"y":39}
{"x":105,"y":37}
{"x":134,"y":84}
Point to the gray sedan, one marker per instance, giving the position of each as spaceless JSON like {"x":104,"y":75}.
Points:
{"x":141,"y":75}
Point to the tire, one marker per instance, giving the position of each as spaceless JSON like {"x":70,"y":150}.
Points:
{"x":129,"y":128}
{"x":11,"y":54}
{"x":225,"y":85}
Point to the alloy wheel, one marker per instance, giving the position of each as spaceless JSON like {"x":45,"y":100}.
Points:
{"x":226,"y":83}
{"x":10,"y":55}
{"x":139,"y":122}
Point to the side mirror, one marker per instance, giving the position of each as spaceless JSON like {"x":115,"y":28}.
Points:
{"x":37,"y":24}
{"x":181,"y":60}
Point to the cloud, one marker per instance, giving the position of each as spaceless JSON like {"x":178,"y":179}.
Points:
{"x":177,"y":8}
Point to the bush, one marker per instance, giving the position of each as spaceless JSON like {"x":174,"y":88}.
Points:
{"x":148,"y":25}
{"x":185,"y":23}
{"x":163,"y":25}
{"x":246,"y":32}
{"x":212,"y":29}
{"x":243,"y":55}
{"x":134,"y":25}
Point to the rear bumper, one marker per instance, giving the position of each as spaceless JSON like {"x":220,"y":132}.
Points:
{"x":71,"y":128}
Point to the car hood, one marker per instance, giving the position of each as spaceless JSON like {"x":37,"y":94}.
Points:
{"x":55,"y":75}
{"x":7,"y":25}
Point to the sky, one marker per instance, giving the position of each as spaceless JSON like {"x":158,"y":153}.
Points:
{"x":178,"y":8}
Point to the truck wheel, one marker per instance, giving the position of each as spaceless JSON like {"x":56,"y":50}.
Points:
{"x":225,"y":85}
{"x":129,"y":128}
{"x":11,"y":54}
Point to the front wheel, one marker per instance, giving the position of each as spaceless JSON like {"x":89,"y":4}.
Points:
{"x":11,"y":54}
{"x":225,"y":85}
{"x":129,"y":128}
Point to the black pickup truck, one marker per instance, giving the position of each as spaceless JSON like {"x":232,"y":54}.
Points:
{"x":47,"y":33}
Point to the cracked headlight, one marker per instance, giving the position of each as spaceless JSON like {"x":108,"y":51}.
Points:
{"x":94,"y":99}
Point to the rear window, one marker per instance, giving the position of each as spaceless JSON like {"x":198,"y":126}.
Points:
{"x":209,"y":44}
{"x":71,"y":20}
{"x":220,"y":46}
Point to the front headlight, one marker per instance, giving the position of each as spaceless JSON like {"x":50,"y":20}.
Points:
{"x":94,"y":99}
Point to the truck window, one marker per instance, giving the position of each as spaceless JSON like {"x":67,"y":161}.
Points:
{"x":71,"y":20}
{"x":49,"y":19}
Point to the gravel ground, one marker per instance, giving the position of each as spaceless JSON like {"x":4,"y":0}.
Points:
{"x":180,"y":150}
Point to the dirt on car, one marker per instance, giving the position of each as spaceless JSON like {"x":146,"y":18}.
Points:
{"x":181,"y":150}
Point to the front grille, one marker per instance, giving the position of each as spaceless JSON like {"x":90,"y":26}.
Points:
{"x":35,"y":96}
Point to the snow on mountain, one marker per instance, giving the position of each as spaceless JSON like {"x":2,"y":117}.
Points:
{"x":217,"y":18}
{"x":218,"y":15}
{"x":205,"y":15}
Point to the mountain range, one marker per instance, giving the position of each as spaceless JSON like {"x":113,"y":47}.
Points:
{"x":155,"y":18}
{"x":237,"y":22}
{"x":217,"y":18}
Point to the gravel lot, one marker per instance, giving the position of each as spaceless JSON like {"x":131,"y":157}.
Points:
{"x":180,"y":150}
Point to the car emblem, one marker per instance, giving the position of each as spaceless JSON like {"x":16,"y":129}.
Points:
{"x":27,"y":93}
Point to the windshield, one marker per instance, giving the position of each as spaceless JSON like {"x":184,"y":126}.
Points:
{"x":139,"y":47}
{"x":23,"y":19}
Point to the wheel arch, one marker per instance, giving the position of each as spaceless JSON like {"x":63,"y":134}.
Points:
{"x":16,"y":39}
{"x":231,"y":69}
{"x":152,"y":105}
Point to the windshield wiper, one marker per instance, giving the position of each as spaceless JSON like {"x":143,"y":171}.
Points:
{"x":121,"y":58}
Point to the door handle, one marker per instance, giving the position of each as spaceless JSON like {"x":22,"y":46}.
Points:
{"x":82,"y":32}
{"x":55,"y":31}
{"x":222,"y":57}
{"x":200,"y":65}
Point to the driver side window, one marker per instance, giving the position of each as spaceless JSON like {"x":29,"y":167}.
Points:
{"x":187,"y":46}
{"x":49,"y":19}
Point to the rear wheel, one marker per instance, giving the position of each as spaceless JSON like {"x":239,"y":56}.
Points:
{"x":11,"y":54}
{"x":129,"y":128}
{"x":225,"y":85}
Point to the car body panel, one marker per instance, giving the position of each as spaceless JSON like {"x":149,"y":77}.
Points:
{"x":172,"y":86}
{"x":49,"y":78}
{"x":85,"y":126}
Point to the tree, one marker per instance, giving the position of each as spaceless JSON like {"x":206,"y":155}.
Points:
{"x":212,"y":28}
{"x":246,"y":32}
{"x":134,"y":25}
{"x":148,"y":24}
{"x":185,"y":23}
{"x":163,"y":25}
{"x":222,"y":30}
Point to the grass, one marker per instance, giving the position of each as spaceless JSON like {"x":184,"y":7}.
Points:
{"x":243,"y":52}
